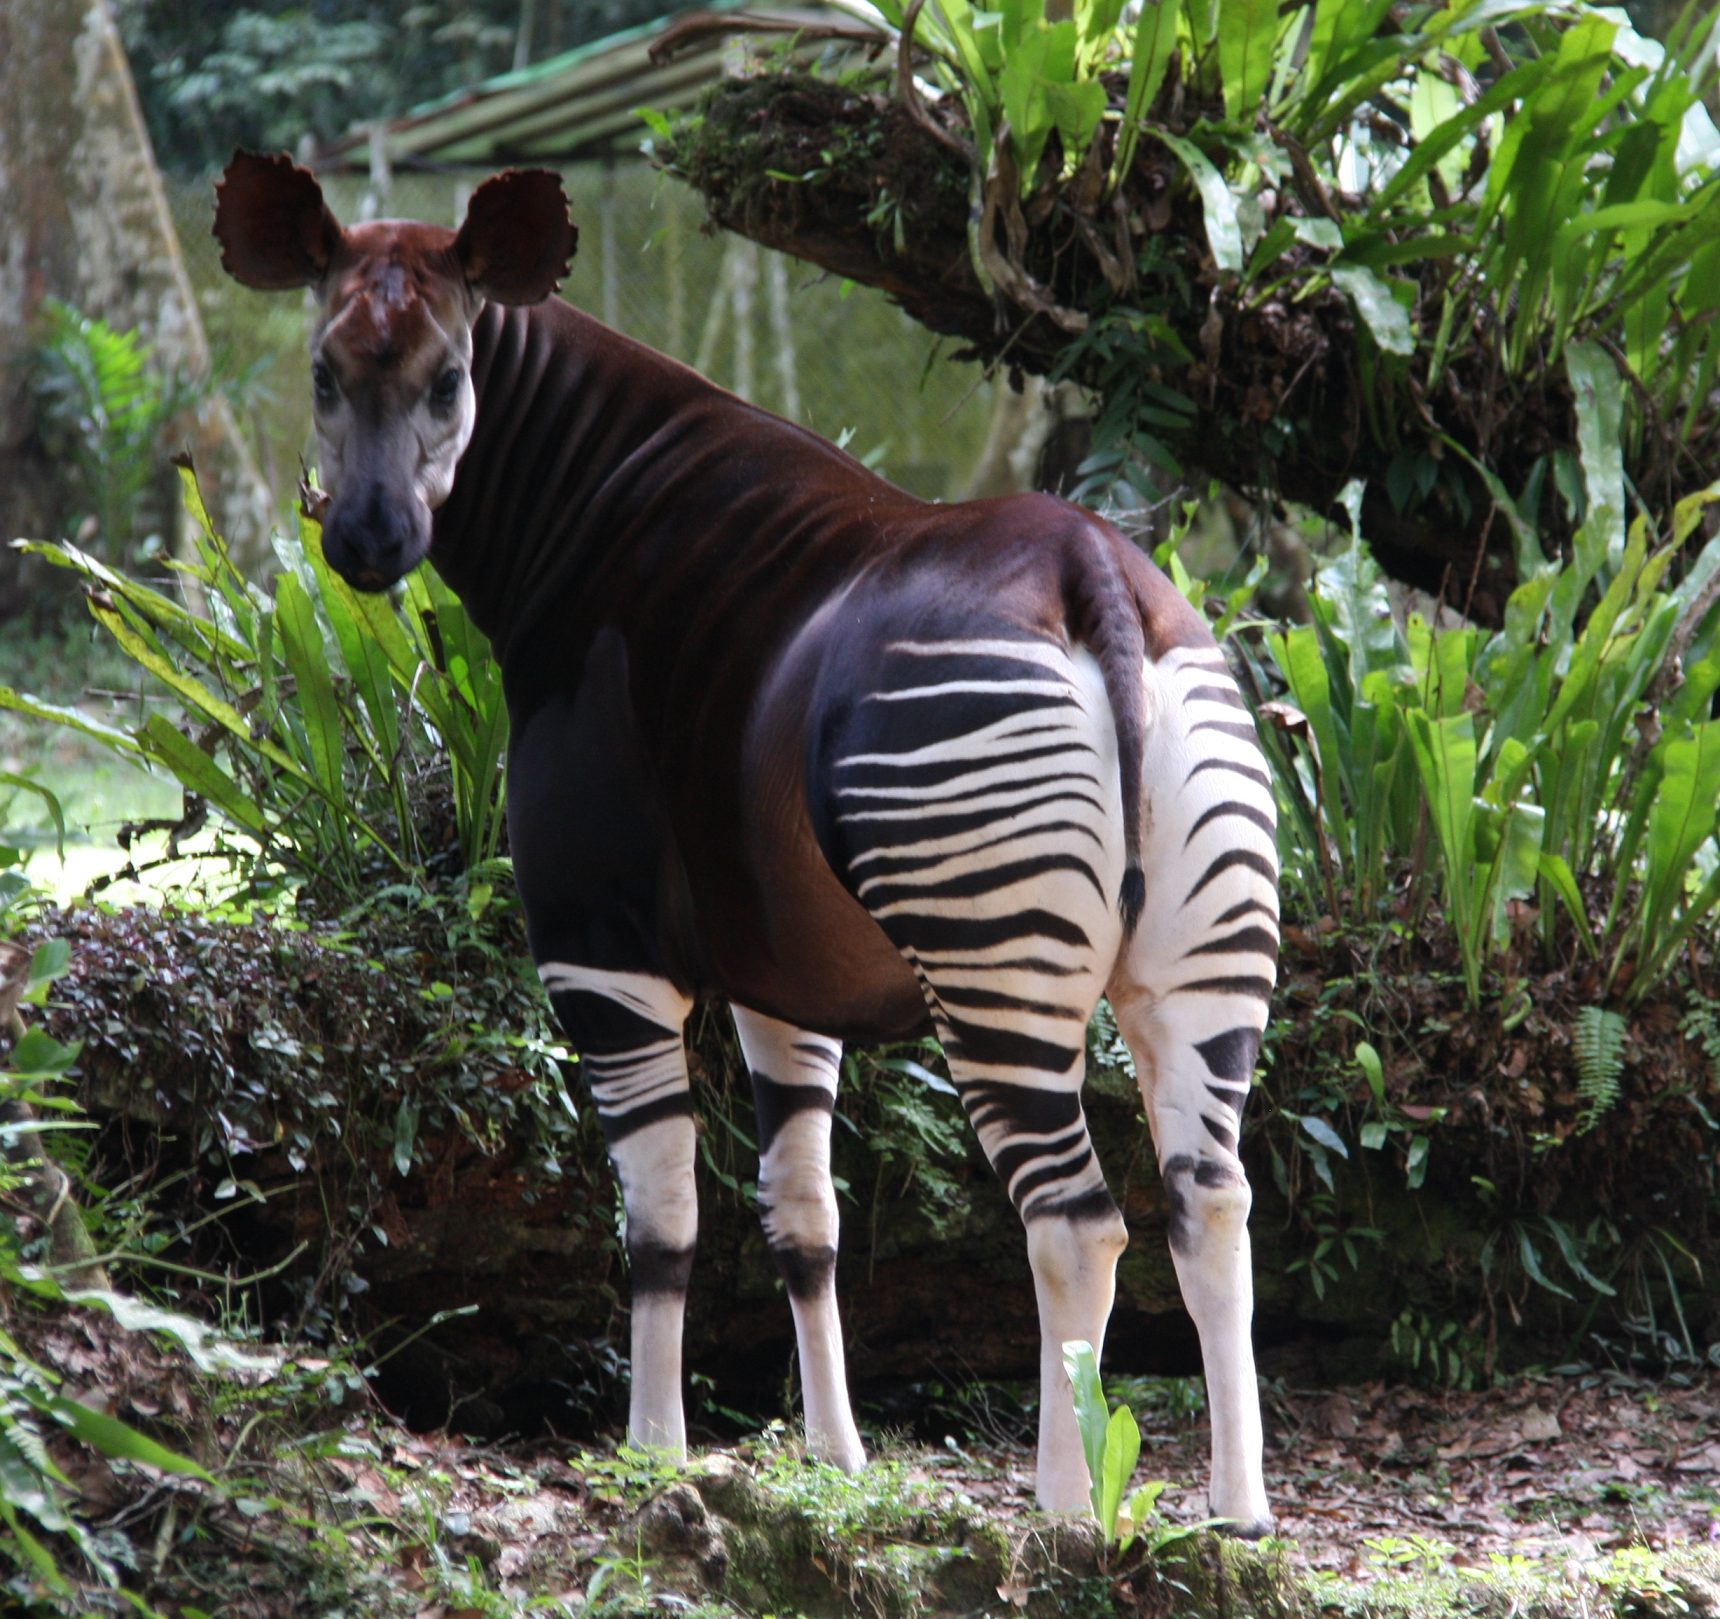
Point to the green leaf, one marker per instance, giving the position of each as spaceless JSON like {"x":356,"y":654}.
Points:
{"x":1599,"y":396}
{"x":198,"y":772}
{"x":1223,"y":231}
{"x":1122,"y":1451}
{"x":1681,"y":820}
{"x":1368,"y":1060}
{"x":51,"y":959}
{"x":1318,"y":1130}
{"x":38,"y":1053}
{"x":1557,"y":871}
{"x":1446,"y":758}
{"x":1573,"y":1257}
{"x":1247,"y":31}
{"x":73,"y":719}
{"x":1385,"y":317}
{"x":208,"y":1352}
{"x":1374,"y":1135}
{"x":1091,"y":1415}
{"x":1155,"y":42}
{"x":301,"y":638}
{"x":1532,"y":1264}
{"x":1516,"y":865}
{"x":9,"y":778}
{"x":1076,"y":110}
{"x":405,"y":1134}
{"x":1416,"y":1165}
{"x":114,"y":1438}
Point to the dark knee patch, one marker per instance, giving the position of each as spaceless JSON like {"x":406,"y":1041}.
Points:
{"x":1231,"y":1055}
{"x":775,"y":1104}
{"x":658,"y":1268}
{"x":806,"y":1272}
{"x":1176,"y":1173}
{"x":1085,"y":1208}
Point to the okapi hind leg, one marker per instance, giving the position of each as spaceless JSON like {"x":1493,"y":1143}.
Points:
{"x":794,"y":1076}
{"x":627,"y":1028}
{"x":975,"y":793}
{"x":1191,"y":994}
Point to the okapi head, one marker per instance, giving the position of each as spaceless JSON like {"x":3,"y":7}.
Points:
{"x":391,"y":352}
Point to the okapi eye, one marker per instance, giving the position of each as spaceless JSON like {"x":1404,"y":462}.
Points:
{"x":327,"y":390}
{"x":446,"y":388}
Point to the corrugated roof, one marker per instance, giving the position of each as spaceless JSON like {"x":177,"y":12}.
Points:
{"x":580,"y":104}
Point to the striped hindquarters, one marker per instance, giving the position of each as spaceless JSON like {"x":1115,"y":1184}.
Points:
{"x":1203,"y":968}
{"x":977,"y":817}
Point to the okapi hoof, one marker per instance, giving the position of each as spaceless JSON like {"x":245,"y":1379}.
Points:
{"x":1248,"y":1528}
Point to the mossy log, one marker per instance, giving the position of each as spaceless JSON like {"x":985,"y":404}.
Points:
{"x":1286,"y":399}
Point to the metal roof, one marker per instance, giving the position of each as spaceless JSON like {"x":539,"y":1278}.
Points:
{"x":581,"y":104}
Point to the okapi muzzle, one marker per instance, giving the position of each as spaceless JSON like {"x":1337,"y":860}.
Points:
{"x":391,"y":347}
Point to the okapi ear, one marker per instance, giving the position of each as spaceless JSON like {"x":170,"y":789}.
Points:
{"x":517,"y":241}
{"x":274,"y":228}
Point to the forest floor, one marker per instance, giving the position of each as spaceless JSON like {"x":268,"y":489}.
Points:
{"x":1579,"y":1495}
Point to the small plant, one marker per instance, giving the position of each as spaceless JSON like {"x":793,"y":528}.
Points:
{"x":1111,"y":1442}
{"x":1597,"y":1042}
{"x":323,"y":728}
{"x":1443,"y":1350}
{"x":631,"y":1476}
{"x":1635,"y":1581}
{"x":1389,"y":1552}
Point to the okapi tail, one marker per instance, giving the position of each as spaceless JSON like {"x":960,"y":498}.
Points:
{"x":1106,"y":614}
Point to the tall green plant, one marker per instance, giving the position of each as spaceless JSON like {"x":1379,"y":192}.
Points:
{"x":315,"y":719}
{"x":1568,"y":758}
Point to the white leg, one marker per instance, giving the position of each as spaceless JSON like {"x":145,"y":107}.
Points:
{"x":1209,"y":1200}
{"x":627,"y":1028}
{"x":1191,"y":996}
{"x":794,"y":1086}
{"x":655,"y":1166}
{"x":1074,"y":1278}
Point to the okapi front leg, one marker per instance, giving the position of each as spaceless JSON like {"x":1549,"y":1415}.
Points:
{"x":627,"y":1029}
{"x":794,"y":1088}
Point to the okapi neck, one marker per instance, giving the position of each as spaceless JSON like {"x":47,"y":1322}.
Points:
{"x":598,"y":469}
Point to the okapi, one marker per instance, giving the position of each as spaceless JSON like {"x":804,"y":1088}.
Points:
{"x":861,"y":765}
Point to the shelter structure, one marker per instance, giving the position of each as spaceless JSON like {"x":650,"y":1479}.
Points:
{"x":584,"y":103}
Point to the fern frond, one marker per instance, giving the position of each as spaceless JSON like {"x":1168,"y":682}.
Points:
{"x":1597,"y":1040}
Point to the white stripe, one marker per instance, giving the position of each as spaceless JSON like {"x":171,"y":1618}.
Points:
{"x":1045,"y":652}
{"x":645,"y":993}
{"x":1050,"y":688}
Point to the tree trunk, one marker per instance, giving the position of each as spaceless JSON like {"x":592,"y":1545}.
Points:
{"x":87,"y":222}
